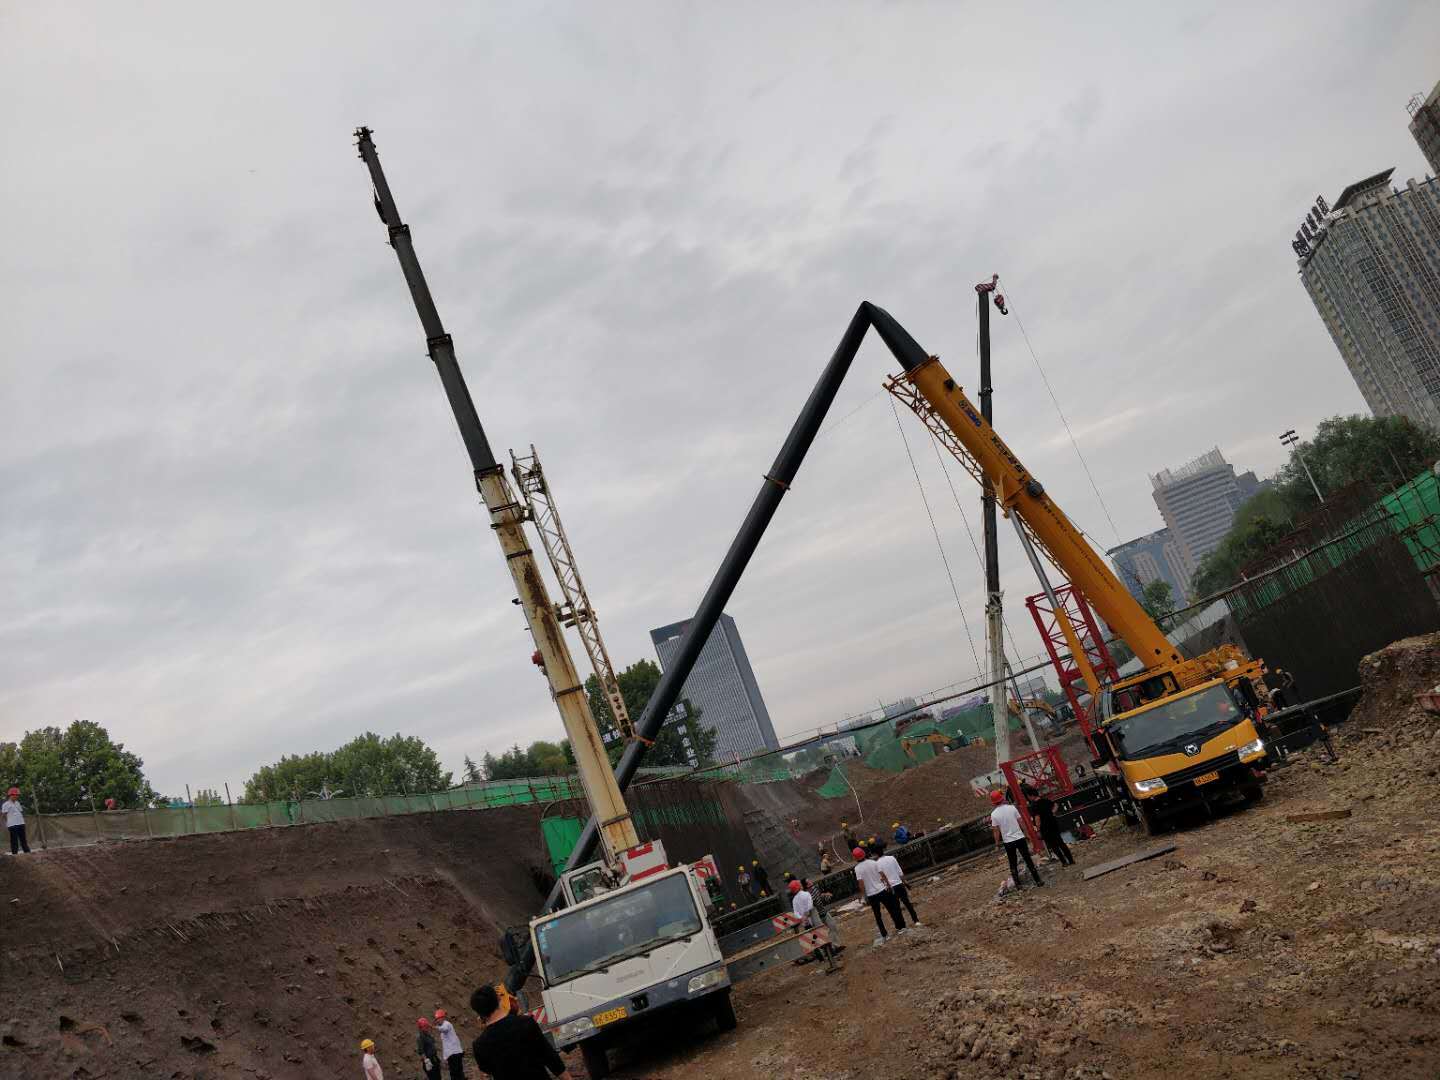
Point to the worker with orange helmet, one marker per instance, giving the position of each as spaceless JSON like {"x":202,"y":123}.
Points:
{"x":15,"y":822}
{"x":428,"y":1051}
{"x":369,"y":1062}
{"x":451,"y":1048}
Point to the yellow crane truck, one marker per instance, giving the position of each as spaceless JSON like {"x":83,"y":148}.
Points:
{"x":1181,"y":731}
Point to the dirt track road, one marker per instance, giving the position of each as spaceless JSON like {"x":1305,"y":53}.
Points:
{"x":1259,"y":948}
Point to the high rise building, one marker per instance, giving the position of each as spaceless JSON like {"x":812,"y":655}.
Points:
{"x":1156,"y":557}
{"x":1425,"y":126}
{"x":1198,"y":501}
{"x":1372,"y":267}
{"x":722,"y":686}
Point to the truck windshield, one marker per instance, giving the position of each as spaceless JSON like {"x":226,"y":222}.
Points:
{"x":1166,"y":728}
{"x":624,"y":924}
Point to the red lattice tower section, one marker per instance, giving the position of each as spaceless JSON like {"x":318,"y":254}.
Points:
{"x":1041,"y":772}
{"x":1082,"y":620}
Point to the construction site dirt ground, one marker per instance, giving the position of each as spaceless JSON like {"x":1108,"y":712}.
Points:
{"x":1260,"y":947}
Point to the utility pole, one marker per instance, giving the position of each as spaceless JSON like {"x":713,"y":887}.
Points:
{"x":1292,"y":440}
{"x":994,"y":620}
{"x":507,"y":517}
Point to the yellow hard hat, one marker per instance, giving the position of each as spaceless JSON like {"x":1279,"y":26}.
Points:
{"x":367,"y":1044}
{"x":894,"y":825}
{"x":754,"y":862}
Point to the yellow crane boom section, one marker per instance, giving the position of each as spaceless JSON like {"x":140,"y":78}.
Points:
{"x":935,"y":397}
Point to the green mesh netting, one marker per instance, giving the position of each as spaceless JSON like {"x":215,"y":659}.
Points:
{"x":835,"y":785}
{"x":889,"y":756}
{"x":1408,"y":506}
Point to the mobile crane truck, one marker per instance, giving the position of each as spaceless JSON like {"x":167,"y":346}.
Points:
{"x":1180,"y":732}
{"x":634,"y":942}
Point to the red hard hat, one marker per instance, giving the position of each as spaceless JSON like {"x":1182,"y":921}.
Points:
{"x":422,"y":1023}
{"x":439,"y":1014}
{"x":14,"y":791}
{"x":997,"y":797}
{"x":794,"y":887}
{"x":858,"y":853}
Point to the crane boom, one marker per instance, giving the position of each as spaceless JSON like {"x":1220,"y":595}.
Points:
{"x":928,"y":390}
{"x":507,"y":517}
{"x":576,"y":611}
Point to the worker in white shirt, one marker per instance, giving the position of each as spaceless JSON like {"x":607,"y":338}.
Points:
{"x":15,"y":822}
{"x":890,"y":867}
{"x":802,"y":906}
{"x":451,"y":1048}
{"x":369,"y":1062}
{"x":877,"y":893}
{"x":1009,"y":830}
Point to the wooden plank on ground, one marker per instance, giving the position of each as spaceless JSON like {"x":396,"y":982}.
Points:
{"x":1127,"y":860}
{"x":1319,"y":815}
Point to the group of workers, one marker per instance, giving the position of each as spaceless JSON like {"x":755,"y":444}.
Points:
{"x":883,"y":884}
{"x":510,"y":1045}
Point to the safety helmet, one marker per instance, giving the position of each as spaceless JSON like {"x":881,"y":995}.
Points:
{"x":997,"y":797}
{"x":858,"y":853}
{"x":754,"y":862}
{"x":439,"y":1014}
{"x":14,"y":791}
{"x":422,"y":1023}
{"x":367,"y":1044}
{"x":894,"y":825}
{"x":794,"y":887}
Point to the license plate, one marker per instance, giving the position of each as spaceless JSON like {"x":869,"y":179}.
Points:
{"x":609,"y":1016}
{"x":1208,"y":777}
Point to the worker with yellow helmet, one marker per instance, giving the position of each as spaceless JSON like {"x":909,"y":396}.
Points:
{"x":369,"y":1062}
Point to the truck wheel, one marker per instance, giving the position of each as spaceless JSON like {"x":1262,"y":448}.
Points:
{"x":597,"y":1061}
{"x":724,"y":1012}
{"x":1150,"y":820}
{"x":1253,"y":794}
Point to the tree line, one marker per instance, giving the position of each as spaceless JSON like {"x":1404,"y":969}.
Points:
{"x":1382,"y":452}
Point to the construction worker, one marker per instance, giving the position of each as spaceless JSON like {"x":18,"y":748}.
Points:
{"x":1009,"y":832}
{"x":890,"y":867}
{"x":1042,"y":810}
{"x":369,"y":1062}
{"x":848,"y":835}
{"x":511,"y":1046}
{"x":761,"y":876}
{"x":802,"y":906}
{"x":877,"y":893}
{"x":428,"y":1051}
{"x":744,"y":880}
{"x":902,"y":834}
{"x":15,"y":822}
{"x":451,"y":1048}
{"x":827,"y":864}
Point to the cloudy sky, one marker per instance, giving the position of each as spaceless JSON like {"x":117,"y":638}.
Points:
{"x":237,"y":520}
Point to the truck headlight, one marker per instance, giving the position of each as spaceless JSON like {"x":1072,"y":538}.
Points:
{"x":1251,"y":749}
{"x":706,"y":979}
{"x":1149,"y":787}
{"x":573,"y":1029}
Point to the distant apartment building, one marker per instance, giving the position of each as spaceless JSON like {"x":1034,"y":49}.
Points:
{"x":1371,"y":265}
{"x":1153,"y":557}
{"x":722,"y":686}
{"x":1425,"y":126}
{"x":1198,"y":502}
{"x":897,"y":709}
{"x":1032,"y":686}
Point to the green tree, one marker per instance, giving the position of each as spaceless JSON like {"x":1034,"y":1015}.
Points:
{"x":1384,"y":451}
{"x":637,"y":685}
{"x":368,"y":766}
{"x":208,"y":797}
{"x":1157,"y":599}
{"x":470,"y":772}
{"x":66,"y":769}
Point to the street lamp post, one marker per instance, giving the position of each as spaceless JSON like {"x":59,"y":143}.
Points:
{"x":1292,"y":440}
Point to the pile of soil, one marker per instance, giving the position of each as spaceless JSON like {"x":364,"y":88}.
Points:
{"x":926,"y":797}
{"x":268,"y":953}
{"x":1390,"y":679}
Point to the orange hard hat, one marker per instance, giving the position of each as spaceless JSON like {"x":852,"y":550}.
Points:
{"x":422,"y":1023}
{"x":439,"y":1014}
{"x":14,"y":791}
{"x":997,"y":797}
{"x":794,"y":887}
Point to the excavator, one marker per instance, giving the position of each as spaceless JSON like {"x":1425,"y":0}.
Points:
{"x":1180,"y":732}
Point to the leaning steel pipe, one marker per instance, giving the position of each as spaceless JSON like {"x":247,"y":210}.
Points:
{"x":767,"y":500}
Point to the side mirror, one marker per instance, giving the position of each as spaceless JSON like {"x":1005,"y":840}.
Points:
{"x":1104,"y":752}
